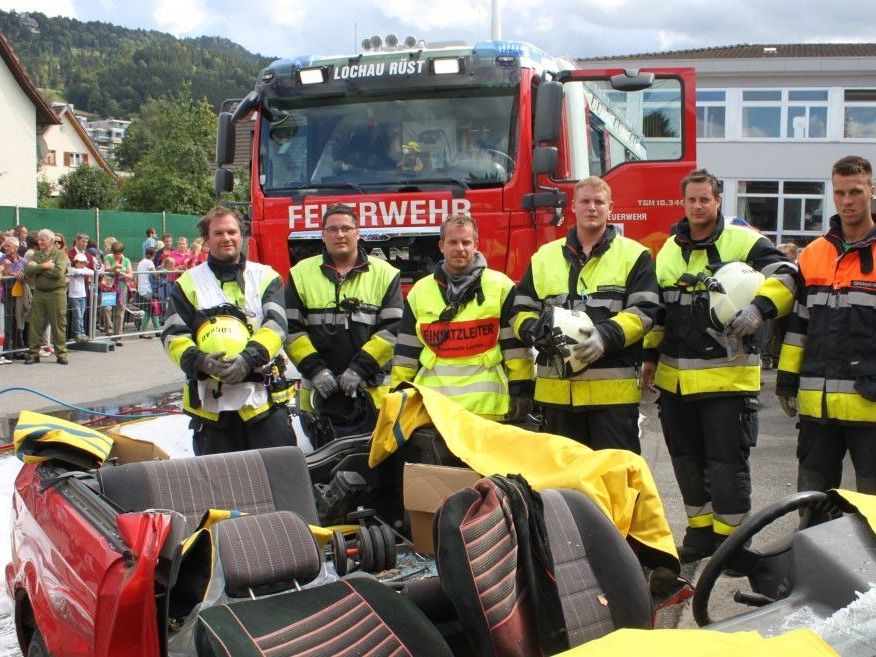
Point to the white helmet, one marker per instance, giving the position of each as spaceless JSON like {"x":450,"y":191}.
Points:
{"x":570,"y":323}
{"x":731,"y":288}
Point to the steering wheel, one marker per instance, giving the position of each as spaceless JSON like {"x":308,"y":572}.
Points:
{"x":733,"y":553}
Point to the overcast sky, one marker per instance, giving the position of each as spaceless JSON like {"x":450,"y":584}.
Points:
{"x":578,"y":28}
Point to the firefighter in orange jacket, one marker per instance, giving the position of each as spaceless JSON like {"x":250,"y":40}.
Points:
{"x":827,"y":368}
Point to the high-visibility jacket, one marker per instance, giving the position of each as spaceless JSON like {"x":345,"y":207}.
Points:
{"x":829,"y":350}
{"x":470,"y":357}
{"x":339,"y":322}
{"x":257,"y":290}
{"x":693,"y":359}
{"x":617,"y":288}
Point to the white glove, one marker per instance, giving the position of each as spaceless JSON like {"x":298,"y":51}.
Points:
{"x":746,"y":322}
{"x":789,"y":405}
{"x":591,"y":348}
{"x":349,"y":382}
{"x":325,"y":383}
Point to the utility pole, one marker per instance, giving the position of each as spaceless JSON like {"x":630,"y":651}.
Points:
{"x":496,"y":22}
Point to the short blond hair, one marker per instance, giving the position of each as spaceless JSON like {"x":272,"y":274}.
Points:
{"x":593,"y":182}
{"x":459,"y":220}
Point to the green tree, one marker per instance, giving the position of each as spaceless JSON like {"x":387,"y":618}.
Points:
{"x":175,"y":173}
{"x":87,"y":187}
{"x":44,"y":194}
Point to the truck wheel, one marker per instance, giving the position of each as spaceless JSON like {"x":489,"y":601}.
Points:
{"x":37,"y":648}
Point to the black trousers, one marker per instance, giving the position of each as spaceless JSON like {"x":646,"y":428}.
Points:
{"x":232,"y":434}
{"x":709,"y":442}
{"x":821,"y":449}
{"x":616,"y":427}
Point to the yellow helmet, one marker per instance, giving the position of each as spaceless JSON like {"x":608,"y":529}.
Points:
{"x":224,"y":333}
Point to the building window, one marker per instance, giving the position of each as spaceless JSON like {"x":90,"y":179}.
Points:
{"x":860,"y":114}
{"x":784,"y":114}
{"x":711,"y":114}
{"x":51,"y":158}
{"x":783,"y":210}
{"x":75,"y":159}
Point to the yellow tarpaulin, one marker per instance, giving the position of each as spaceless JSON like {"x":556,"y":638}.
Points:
{"x":38,"y":437}
{"x":703,"y":643}
{"x":619,"y":481}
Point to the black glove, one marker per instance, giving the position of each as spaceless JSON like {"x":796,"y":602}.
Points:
{"x":543,"y":336}
{"x":519,"y":408}
{"x":235,"y":370}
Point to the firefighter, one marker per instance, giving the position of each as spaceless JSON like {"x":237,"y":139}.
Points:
{"x":343,"y":308}
{"x":456,"y":334}
{"x":233,"y":308}
{"x":827,"y":366}
{"x":596,"y":270}
{"x":708,"y":373}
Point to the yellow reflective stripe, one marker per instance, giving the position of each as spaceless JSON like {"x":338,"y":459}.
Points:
{"x":698,"y":522}
{"x":269,"y":339}
{"x":604,"y":392}
{"x":518,"y":320}
{"x":774,"y":290}
{"x":379,"y":349}
{"x":519,"y":369}
{"x":722,"y":528}
{"x":300,"y":348}
{"x":791,"y":358}
{"x":177,"y":346}
{"x":401,"y":374}
{"x":744,"y":378}
{"x":653,"y":338}
{"x":631,"y":325}
{"x":842,"y":406}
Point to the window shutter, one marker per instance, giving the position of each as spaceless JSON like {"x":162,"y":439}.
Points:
{"x":68,"y":159}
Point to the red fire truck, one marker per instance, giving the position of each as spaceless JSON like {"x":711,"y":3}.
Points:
{"x":499,"y":130}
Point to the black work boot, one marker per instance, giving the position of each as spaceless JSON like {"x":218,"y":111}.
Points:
{"x":698,"y":543}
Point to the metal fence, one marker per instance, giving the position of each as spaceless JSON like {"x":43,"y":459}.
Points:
{"x":111,"y":309}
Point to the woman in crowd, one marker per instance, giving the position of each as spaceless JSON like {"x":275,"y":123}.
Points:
{"x":118,"y":265}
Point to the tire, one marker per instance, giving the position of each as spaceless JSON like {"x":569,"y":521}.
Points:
{"x":37,"y":647}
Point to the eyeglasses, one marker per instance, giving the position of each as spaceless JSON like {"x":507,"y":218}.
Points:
{"x":342,"y":230}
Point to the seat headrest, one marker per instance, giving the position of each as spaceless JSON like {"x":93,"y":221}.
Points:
{"x":264,"y":550}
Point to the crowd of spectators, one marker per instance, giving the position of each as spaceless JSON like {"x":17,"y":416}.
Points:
{"x":124,"y":292}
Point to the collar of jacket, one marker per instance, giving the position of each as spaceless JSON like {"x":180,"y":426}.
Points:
{"x":834,"y":235}
{"x":572,"y":249}
{"x":228,"y":271}
{"x":328,"y":265}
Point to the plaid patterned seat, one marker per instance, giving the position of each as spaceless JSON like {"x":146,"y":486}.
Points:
{"x":256,"y":481}
{"x":535,"y":574}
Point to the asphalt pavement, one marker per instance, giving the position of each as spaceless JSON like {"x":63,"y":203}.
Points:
{"x":140,"y":370}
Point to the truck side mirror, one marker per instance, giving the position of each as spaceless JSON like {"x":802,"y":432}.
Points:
{"x":225,"y":141}
{"x":544,"y":160}
{"x":548,"y":112}
{"x":224,"y":181}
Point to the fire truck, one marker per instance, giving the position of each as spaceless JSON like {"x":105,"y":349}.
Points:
{"x":499,"y":130}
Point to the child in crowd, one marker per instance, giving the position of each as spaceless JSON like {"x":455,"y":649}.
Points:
{"x":147,"y":299}
{"x":79,"y":276}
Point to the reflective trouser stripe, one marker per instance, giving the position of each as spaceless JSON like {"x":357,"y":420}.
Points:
{"x":700,"y":521}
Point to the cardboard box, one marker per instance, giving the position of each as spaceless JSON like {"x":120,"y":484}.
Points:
{"x":425,"y":487}
{"x":131,"y":450}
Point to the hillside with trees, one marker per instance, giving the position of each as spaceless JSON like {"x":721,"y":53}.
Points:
{"x":113,"y":71}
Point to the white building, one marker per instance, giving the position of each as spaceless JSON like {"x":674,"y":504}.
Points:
{"x":772,"y":119}
{"x":107,"y":134}
{"x":24,"y":113}
{"x":68,"y":146}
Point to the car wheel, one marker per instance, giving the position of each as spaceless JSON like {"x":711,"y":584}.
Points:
{"x":37,"y":648}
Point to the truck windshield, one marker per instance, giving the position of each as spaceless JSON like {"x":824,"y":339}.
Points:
{"x":464,"y":137}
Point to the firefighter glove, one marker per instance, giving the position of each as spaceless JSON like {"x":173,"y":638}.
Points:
{"x":349,"y":382}
{"x":234,"y":370}
{"x":789,"y":405}
{"x":324,"y":383}
{"x":746,"y":322}
{"x":211,"y":364}
{"x":591,"y":346}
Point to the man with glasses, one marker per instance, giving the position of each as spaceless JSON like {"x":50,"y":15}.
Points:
{"x":456,"y":334}
{"x":343,"y":308}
